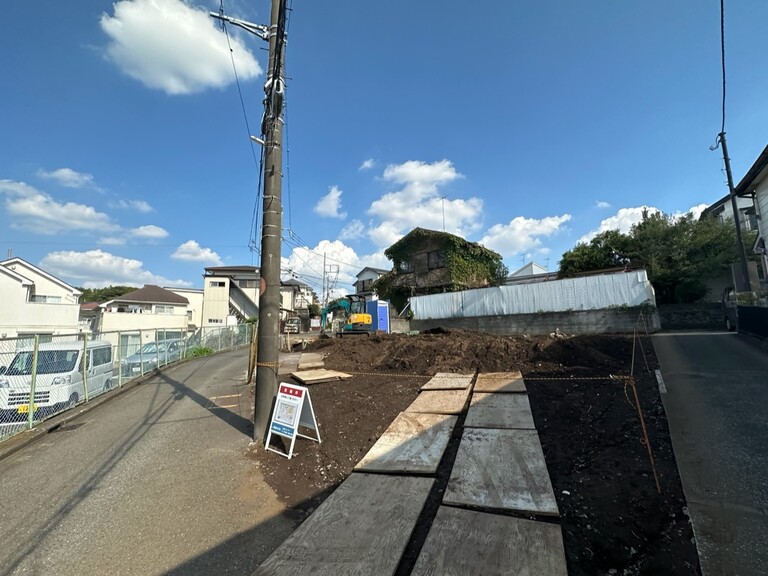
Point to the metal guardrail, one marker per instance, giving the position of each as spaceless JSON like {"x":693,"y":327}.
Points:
{"x":43,"y":375}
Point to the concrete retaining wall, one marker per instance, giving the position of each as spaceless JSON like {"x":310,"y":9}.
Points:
{"x":579,"y":322}
{"x":702,"y":316}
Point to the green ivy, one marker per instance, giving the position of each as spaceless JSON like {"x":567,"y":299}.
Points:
{"x":469,"y":265}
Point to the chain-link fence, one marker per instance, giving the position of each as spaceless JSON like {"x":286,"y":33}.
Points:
{"x":44,"y":375}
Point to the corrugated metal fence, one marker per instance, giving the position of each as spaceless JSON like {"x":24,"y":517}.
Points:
{"x":43,"y":376}
{"x":586,"y":293}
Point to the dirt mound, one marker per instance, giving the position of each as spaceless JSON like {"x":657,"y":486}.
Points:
{"x":462,"y":350}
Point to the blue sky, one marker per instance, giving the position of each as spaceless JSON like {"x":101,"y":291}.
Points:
{"x":125,"y":159}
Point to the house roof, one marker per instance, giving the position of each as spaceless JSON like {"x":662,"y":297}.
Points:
{"x":529,"y":269}
{"x":12,"y":261}
{"x":756,"y":172}
{"x":89,"y":306}
{"x":380,"y":271}
{"x":232,"y":269}
{"x":151,"y":294}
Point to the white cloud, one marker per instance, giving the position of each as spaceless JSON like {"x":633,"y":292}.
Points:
{"x":330,"y":204}
{"x":352,"y":231}
{"x":174,"y":47}
{"x":342,"y":264}
{"x":149,"y":232}
{"x":419,"y":203}
{"x":602,"y":204}
{"x":137,"y":205}
{"x":191,"y":251}
{"x":96,"y":268}
{"x":522,"y":234}
{"x":622,"y":221}
{"x":69,"y":178}
{"x":113,"y":241}
{"x":38,"y":212}
{"x":695,"y":211}
{"x":367,"y":164}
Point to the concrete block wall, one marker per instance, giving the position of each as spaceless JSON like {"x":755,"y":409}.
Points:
{"x":620,"y":320}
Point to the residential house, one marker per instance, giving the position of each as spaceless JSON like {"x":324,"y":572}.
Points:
{"x":230,"y":295}
{"x":144,"y":315}
{"x":529,"y":273}
{"x":365,"y":279}
{"x":33,"y":301}
{"x":755,"y":185}
{"x":295,"y":296}
{"x":723,"y":209}
{"x":195,"y":297}
{"x":429,"y":262}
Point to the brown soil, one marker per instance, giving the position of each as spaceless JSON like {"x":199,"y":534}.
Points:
{"x":613,"y":519}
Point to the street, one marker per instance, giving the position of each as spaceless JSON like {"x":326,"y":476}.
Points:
{"x":716,"y":405}
{"x":152,"y":482}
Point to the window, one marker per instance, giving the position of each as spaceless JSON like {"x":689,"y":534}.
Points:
{"x":406,"y":266}
{"x":217,"y":284}
{"x":246,"y":283}
{"x":436,"y":259}
{"x":41,"y":298}
{"x":163,"y":309}
{"x":189,"y":315}
{"x":102,"y":356}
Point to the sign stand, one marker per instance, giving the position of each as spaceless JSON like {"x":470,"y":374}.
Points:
{"x":293,"y":408}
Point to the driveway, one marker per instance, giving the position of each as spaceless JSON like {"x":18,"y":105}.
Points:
{"x":717,"y":406}
{"x":152,"y":482}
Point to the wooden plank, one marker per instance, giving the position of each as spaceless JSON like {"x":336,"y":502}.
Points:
{"x":463,"y":542}
{"x":310,"y":360}
{"x":361,"y":529}
{"x":318,"y":376}
{"x":499,"y":411}
{"x":446,"y":381}
{"x":501,"y":469}
{"x":440,"y":402}
{"x":500,"y":382}
{"x":413,"y":443}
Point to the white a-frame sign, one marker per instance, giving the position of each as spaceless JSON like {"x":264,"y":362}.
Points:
{"x":293,"y":408}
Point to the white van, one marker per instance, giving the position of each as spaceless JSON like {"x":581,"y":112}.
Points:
{"x":60,"y":375}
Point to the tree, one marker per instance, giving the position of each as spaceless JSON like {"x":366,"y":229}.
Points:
{"x":104,"y":294}
{"x":606,"y":250}
{"x":678,"y":252}
{"x":313,"y":310}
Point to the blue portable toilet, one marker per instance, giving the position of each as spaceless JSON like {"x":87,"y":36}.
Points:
{"x":379,"y":311}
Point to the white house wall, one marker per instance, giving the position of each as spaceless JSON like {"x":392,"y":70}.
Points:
{"x":587,"y":293}
{"x":17,"y":316}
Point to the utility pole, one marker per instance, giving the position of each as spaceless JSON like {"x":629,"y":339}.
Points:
{"x":745,"y":284}
{"x":269,"y":283}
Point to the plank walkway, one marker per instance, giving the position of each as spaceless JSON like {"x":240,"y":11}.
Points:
{"x":447,"y":381}
{"x":361,"y":529}
{"x":465,"y":542}
{"x":501,"y":470}
{"x":319,"y":376}
{"x":364,"y":527}
{"x":414,"y":443}
{"x":440,"y":402}
{"x":500,"y":382}
{"x":491,"y":410}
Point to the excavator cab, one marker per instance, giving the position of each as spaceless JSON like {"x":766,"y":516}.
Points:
{"x":358,"y":319}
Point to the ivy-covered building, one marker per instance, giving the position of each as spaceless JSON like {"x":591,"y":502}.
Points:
{"x":431,"y":262}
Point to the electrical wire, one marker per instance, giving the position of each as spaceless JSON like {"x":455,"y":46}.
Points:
{"x":722,"y":56}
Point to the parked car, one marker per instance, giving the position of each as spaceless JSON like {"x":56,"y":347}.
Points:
{"x":59,"y":376}
{"x":150,"y":356}
{"x":292,"y":325}
{"x":730,"y":309}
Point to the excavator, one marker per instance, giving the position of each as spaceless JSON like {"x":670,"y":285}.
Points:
{"x":356,"y":319}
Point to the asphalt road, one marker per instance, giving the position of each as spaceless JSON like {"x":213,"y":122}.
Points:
{"x":717,"y":406}
{"x":152,"y":482}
